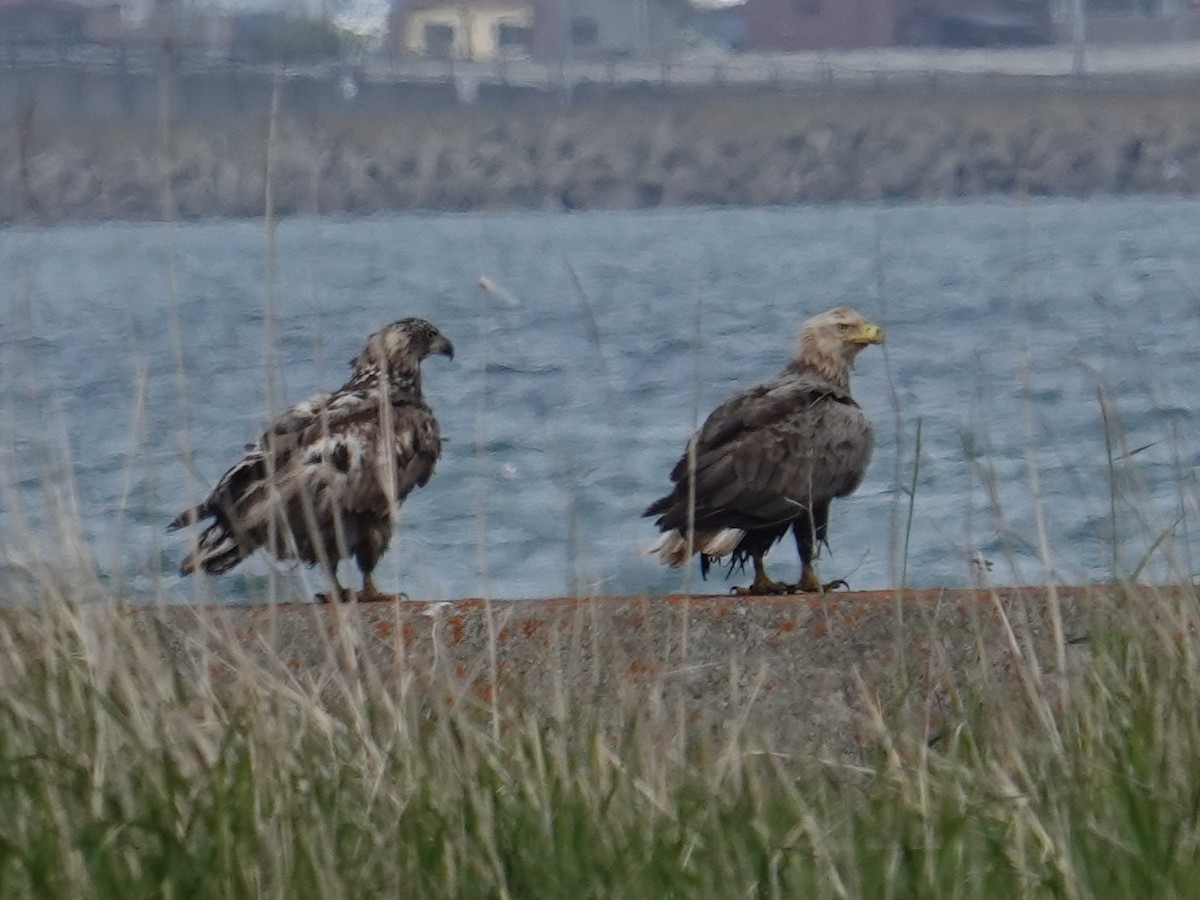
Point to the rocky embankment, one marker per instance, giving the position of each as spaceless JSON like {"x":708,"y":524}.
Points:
{"x":711,"y":145}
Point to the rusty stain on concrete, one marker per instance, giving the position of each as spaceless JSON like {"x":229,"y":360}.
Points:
{"x":801,"y":668}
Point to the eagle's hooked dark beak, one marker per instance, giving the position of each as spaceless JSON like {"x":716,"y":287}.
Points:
{"x":442,"y":346}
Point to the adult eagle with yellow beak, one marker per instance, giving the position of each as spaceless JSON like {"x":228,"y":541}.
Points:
{"x":773,"y":457}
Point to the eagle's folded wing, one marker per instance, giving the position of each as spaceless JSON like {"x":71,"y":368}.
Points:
{"x":773,"y":449}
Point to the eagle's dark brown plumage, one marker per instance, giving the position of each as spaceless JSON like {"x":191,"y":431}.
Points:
{"x":774,"y":457}
{"x":324,"y":481}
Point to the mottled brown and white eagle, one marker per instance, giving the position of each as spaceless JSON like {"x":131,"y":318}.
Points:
{"x":326,"y":479}
{"x":773,"y":457}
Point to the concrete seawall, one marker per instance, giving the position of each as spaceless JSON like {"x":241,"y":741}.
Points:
{"x":197,"y":148}
{"x":806,"y":672}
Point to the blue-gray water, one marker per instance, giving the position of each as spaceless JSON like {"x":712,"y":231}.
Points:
{"x":1003,"y":324}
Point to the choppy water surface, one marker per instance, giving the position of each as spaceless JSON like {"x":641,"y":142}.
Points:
{"x":137,"y":359}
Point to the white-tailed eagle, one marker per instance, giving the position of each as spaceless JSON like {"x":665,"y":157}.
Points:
{"x":773,"y":457}
{"x":326,"y":479}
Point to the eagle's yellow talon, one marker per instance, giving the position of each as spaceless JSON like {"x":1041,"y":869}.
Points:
{"x":809,"y":583}
{"x":762,"y":585}
{"x":370,"y":595}
{"x":774,"y":589}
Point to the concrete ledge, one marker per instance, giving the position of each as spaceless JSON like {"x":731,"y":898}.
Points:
{"x":799,"y":670}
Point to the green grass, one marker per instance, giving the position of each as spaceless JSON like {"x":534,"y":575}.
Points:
{"x":123,"y":777}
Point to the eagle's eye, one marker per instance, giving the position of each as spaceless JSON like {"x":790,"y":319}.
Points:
{"x":843,"y":326}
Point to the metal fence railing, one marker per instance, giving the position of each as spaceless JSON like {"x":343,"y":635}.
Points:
{"x":845,"y":68}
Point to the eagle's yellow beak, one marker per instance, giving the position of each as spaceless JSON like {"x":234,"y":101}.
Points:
{"x":867,"y":333}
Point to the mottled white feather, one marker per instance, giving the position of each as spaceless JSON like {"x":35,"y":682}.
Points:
{"x":324,"y":482}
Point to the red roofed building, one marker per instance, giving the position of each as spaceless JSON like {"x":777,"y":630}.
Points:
{"x":793,"y":25}
{"x":822,"y":24}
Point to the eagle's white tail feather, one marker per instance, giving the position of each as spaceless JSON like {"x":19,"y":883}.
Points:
{"x":672,"y":546}
{"x":723,"y":542}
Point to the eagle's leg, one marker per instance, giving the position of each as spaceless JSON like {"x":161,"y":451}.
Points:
{"x":809,"y":583}
{"x":340,"y":594}
{"x":367,"y":555}
{"x":762,"y":584}
{"x":370,"y":593}
{"x":811,"y":532}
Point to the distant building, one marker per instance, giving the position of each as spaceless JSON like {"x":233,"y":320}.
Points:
{"x":979,"y":23}
{"x":610,"y":29}
{"x":723,"y":27}
{"x":792,"y":25}
{"x":477,"y":30}
{"x":43,"y":23}
{"x":114,"y":24}
{"x":782,"y":25}
{"x":1131,"y":21}
{"x":484,"y":30}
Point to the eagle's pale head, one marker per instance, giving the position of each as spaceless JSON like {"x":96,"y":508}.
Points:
{"x":401,"y":346}
{"x":830,"y":341}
